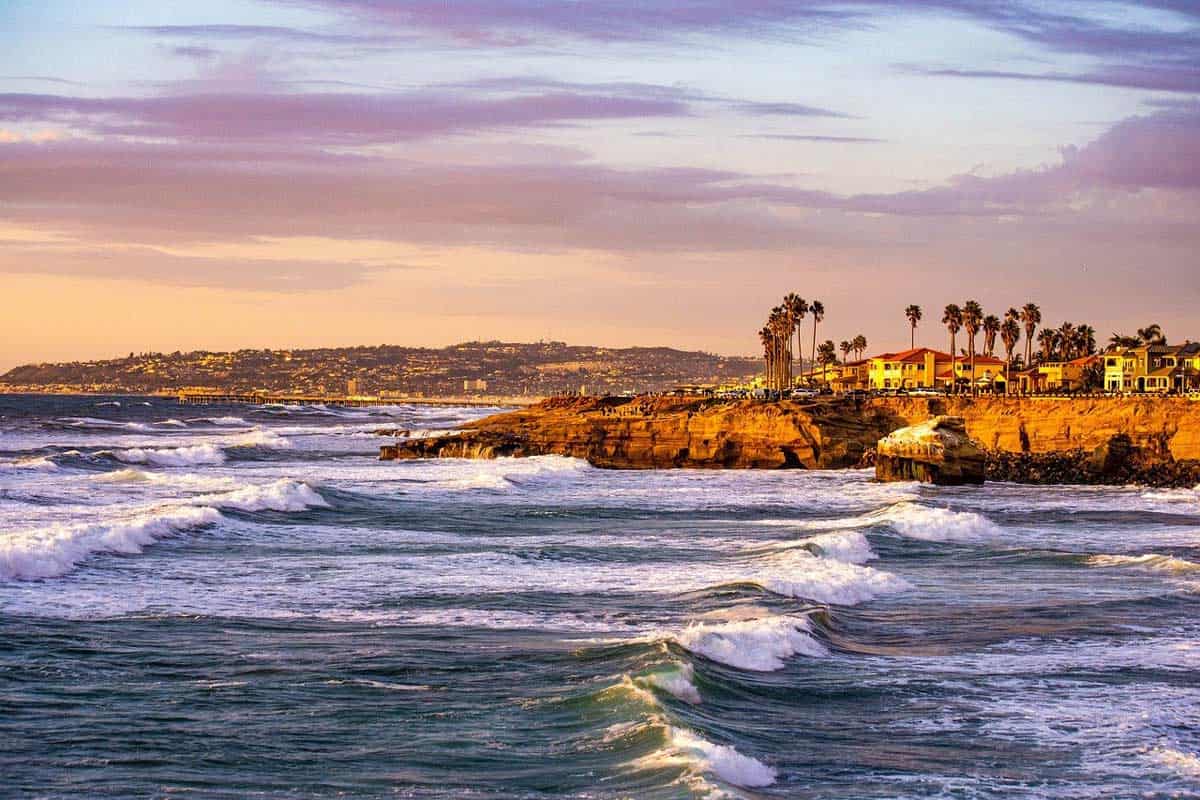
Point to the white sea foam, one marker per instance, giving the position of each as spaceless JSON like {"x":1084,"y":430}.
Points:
{"x":227,"y":421}
{"x":190,"y":455}
{"x":56,"y":549}
{"x":1191,"y":496}
{"x":1150,"y":561}
{"x":171,"y":423}
{"x":38,"y":464}
{"x":848,"y":546}
{"x":1180,"y":762}
{"x":261,"y":437}
{"x":760,"y":645}
{"x":723,"y":761}
{"x":280,"y":495}
{"x":677,"y":680}
{"x":798,"y":573}
{"x":933,"y":524}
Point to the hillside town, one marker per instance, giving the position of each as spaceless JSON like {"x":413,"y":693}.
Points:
{"x":496,"y":369}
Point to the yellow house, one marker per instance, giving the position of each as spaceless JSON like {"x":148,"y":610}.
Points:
{"x":924,"y":368}
{"x":849,"y":376}
{"x":1155,"y":368}
{"x":1056,"y":375}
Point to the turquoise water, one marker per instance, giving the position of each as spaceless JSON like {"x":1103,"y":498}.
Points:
{"x":242,"y":602}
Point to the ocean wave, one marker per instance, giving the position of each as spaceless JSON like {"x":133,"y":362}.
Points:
{"x":55,"y":550}
{"x":503,"y":474}
{"x":224,"y":421}
{"x":800,"y":574}
{"x":281,"y":495}
{"x":187,"y":456}
{"x":1148,"y":561}
{"x":170,"y":423}
{"x":186,"y":481}
{"x":723,"y":761}
{"x":848,"y":546}
{"x":676,"y":679}
{"x":97,"y":424}
{"x":1173,"y":495}
{"x":38,"y":464}
{"x":261,"y":437}
{"x":759,"y":645}
{"x":1179,"y":762}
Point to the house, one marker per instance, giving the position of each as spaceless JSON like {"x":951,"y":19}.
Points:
{"x":1056,"y":376}
{"x":923,"y":367}
{"x":1157,"y":368}
{"x":851,"y":375}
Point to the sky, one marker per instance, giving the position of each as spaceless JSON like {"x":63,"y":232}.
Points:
{"x":299,"y":173}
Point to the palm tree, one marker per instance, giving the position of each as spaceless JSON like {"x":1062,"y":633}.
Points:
{"x":913,"y":313}
{"x":845,"y":347}
{"x":991,"y":327}
{"x":1010,"y":334}
{"x":1047,"y":340}
{"x":817,"y":309}
{"x":952,"y":318}
{"x":1121,"y":341}
{"x":972,"y":314}
{"x":768,"y":344}
{"x":1151,"y":334}
{"x":797,"y":307}
{"x":1085,"y":340}
{"x":1066,"y":341}
{"x":859,"y":344}
{"x":1031,"y":317}
{"x":826,"y":354}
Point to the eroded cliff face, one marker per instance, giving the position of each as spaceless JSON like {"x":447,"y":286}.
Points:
{"x":671,"y":432}
{"x":1166,"y":427}
{"x":644,"y":433}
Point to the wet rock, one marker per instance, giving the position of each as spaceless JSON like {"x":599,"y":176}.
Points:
{"x":935,"y":451}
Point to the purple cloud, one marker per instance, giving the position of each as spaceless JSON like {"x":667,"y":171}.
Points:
{"x":1182,"y":78}
{"x":332,"y":118}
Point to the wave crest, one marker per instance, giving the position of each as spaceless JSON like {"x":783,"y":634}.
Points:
{"x":758,"y":645}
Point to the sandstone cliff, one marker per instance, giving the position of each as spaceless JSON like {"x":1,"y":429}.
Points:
{"x":937,"y":450}
{"x":646,"y":433}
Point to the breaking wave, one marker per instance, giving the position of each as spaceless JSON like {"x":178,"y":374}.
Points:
{"x":697,"y":754}
{"x":191,"y":455}
{"x":800,"y":574}
{"x":56,"y":549}
{"x":39,"y":464}
{"x":1150,"y":561}
{"x":759,"y":645}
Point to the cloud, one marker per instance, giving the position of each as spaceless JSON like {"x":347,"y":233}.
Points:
{"x":1183,"y":78}
{"x":330,"y":118}
{"x":802,"y":137}
{"x":258,"y":32}
{"x":156,"y":266}
{"x":529,"y":22}
{"x":160,"y":193}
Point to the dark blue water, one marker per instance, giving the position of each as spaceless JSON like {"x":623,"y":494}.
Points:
{"x":242,"y":602}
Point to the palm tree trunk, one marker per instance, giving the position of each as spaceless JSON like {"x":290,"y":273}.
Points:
{"x":953,"y":366}
{"x":813,"y":355}
{"x":912,"y":345}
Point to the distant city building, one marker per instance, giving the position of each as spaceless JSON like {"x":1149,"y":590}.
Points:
{"x":352,"y":387}
{"x":475,"y":385}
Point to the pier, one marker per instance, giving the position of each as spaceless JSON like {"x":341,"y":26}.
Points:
{"x":206,"y":397}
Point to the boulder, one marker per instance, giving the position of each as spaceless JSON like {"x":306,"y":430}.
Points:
{"x":935,"y":451}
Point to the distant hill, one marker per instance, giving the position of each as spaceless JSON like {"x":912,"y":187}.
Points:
{"x":508,"y":368}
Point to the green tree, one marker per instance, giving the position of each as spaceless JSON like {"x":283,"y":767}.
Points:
{"x":991,"y":327}
{"x":972,"y":317}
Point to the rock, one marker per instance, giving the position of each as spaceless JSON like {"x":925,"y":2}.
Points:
{"x":653,"y":433}
{"x":935,"y":451}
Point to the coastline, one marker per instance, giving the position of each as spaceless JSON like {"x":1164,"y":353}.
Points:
{"x":1107,"y":440}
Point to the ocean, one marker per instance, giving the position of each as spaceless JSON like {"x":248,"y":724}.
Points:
{"x":236,"y":601}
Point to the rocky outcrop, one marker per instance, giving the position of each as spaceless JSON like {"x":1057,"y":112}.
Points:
{"x":1024,"y":438}
{"x":935,"y":451}
{"x":644,"y":433}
